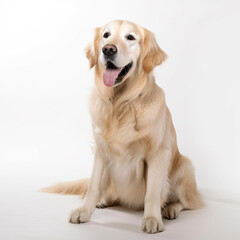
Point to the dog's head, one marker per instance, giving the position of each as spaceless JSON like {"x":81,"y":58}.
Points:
{"x":122,"y":48}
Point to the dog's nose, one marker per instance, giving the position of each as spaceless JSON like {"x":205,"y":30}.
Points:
{"x":109,"y":50}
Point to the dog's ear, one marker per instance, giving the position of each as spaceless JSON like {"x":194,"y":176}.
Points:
{"x":91,"y":49}
{"x":153,"y":54}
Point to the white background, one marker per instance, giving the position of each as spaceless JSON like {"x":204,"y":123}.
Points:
{"x":45,"y":128}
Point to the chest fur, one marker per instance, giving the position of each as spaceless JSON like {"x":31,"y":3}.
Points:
{"x":116,"y":128}
{"x":126,"y":129}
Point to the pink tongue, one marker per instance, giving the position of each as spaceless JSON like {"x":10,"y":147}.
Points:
{"x":110,"y":76}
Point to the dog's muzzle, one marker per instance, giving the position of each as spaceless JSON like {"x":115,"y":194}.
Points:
{"x":114,"y":75}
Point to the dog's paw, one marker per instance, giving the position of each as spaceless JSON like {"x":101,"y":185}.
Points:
{"x":79,"y":215}
{"x":171,"y":211}
{"x":152,"y":225}
{"x":101,"y":205}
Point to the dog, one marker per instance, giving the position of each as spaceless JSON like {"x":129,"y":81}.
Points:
{"x":137,"y":162}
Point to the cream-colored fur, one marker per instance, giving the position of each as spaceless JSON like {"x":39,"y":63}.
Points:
{"x":137,"y":162}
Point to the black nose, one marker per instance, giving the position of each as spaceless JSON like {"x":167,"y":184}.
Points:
{"x":109,"y":50}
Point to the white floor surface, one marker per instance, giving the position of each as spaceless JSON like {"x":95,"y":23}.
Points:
{"x":27,"y":214}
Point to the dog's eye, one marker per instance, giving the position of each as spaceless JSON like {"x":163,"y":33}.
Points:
{"x":130,"y":37}
{"x":106,"y":34}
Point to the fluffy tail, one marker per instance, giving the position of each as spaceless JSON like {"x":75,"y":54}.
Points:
{"x":78,"y":187}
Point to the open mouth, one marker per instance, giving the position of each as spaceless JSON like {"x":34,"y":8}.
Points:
{"x":114,"y":75}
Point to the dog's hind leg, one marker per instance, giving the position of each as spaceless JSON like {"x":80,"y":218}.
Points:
{"x":107,"y":203}
{"x":184,"y":193}
{"x":108,"y":196}
{"x":172,"y":210}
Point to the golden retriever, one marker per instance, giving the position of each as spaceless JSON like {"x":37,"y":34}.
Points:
{"x":137,"y":162}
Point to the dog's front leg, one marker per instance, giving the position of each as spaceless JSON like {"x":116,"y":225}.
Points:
{"x":83,"y":214}
{"x":156,"y":188}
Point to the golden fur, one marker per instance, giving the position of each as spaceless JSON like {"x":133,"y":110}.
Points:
{"x":137,"y":161}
